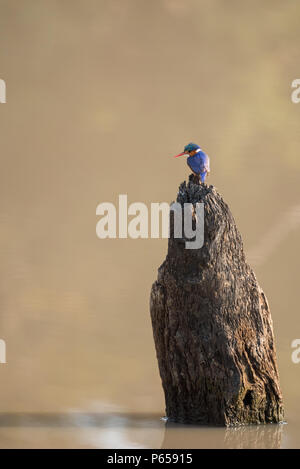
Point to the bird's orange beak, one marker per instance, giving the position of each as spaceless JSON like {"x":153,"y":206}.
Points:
{"x":180,"y":154}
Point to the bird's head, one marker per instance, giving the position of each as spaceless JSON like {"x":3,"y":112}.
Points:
{"x":190,"y":149}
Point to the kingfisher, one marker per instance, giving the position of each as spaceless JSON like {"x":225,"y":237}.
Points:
{"x":197,"y":160}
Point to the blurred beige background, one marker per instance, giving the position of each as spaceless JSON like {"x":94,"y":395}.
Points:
{"x":100,"y":96}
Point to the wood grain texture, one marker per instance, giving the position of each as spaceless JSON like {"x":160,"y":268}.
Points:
{"x":212,"y":326}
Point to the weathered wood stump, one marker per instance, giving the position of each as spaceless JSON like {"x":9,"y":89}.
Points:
{"x":212,"y":326}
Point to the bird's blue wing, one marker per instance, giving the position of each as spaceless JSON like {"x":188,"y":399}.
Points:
{"x":204,"y":161}
{"x":199,"y":163}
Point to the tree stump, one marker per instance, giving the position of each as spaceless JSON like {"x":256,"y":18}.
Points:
{"x":212,"y":325}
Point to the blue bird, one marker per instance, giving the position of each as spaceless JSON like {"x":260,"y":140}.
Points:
{"x":197,"y":160}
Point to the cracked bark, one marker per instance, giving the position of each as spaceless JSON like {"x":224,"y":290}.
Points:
{"x":212,"y":326}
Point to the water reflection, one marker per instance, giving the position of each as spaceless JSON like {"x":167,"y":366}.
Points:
{"x":257,"y":436}
{"x":80,"y":430}
{"x":121,"y":430}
